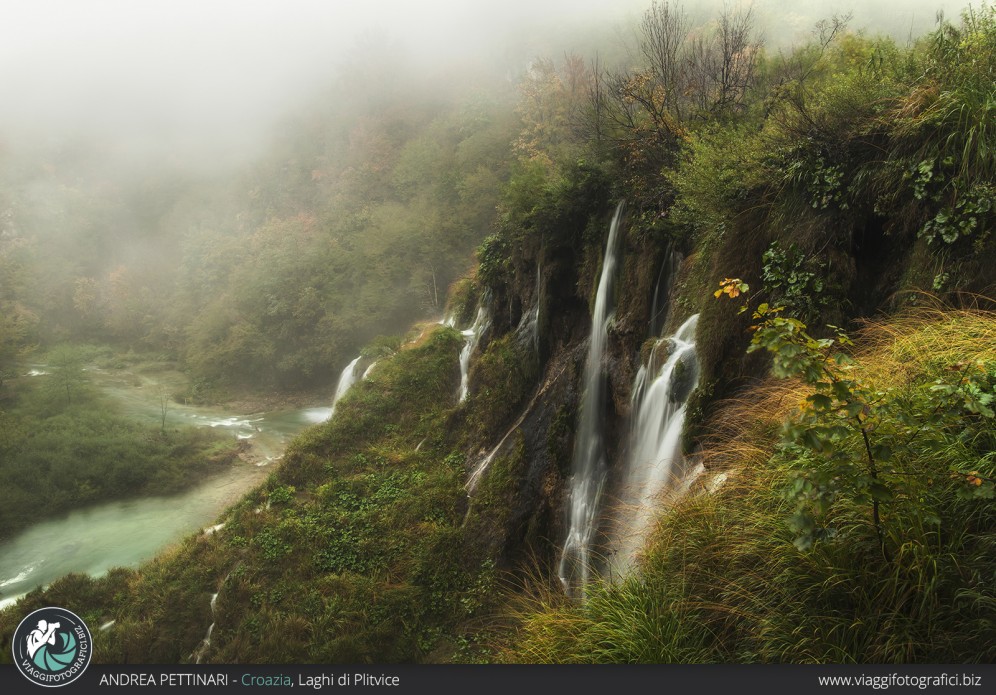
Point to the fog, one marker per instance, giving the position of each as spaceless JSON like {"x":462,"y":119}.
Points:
{"x":190,"y":78}
{"x":188,"y":74}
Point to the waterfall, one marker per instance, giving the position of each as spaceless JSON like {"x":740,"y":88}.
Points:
{"x":527,"y":332}
{"x":589,"y":466}
{"x":536,"y":309}
{"x":481,"y":467}
{"x":662,"y":291}
{"x":346,"y":380}
{"x":472,"y":337}
{"x":206,"y":642}
{"x":654,"y":461}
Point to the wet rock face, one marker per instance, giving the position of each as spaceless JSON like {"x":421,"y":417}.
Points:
{"x":538,"y":516}
{"x":537,"y":520}
{"x":621,"y":364}
{"x":684,"y":379}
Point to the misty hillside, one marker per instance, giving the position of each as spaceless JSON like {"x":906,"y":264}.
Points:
{"x":658,"y":335}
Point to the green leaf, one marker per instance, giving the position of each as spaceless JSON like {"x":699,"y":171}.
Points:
{"x":811,"y":438}
{"x":880,"y":492}
{"x":854,"y":408}
{"x":881,"y":452}
{"x":841,"y":359}
{"x":820,"y":401}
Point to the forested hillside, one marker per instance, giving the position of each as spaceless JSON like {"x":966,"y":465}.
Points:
{"x":782,"y":255}
{"x":356,"y":220}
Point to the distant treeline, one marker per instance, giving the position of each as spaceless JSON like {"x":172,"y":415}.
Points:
{"x":357,"y":220}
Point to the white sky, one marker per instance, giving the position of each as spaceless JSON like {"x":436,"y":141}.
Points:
{"x":208,"y":65}
{"x":218,"y":70}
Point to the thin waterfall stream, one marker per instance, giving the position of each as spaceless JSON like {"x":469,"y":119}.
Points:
{"x":472,"y":336}
{"x":346,"y":380}
{"x":589,"y":465}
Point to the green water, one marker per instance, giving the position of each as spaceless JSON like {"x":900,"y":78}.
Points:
{"x":126,"y":533}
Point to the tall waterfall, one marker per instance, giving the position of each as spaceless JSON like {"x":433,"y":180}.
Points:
{"x":346,"y":379}
{"x":589,"y":465}
{"x":654,"y":462}
{"x":472,"y":337}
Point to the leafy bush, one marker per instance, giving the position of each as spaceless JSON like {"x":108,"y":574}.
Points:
{"x":863,"y":444}
{"x":794,"y":281}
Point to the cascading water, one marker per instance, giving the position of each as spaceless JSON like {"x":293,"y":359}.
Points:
{"x":346,"y":379}
{"x":481,"y":467}
{"x":654,"y":461}
{"x":662,"y":291}
{"x":205,"y":643}
{"x":368,"y":370}
{"x":472,"y":336}
{"x":528,"y":329}
{"x":589,"y":466}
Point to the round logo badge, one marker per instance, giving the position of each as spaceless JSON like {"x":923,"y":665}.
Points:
{"x":52,"y":647}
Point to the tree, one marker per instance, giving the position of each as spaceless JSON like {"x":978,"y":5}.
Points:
{"x":17,"y":321}
{"x":65,"y":363}
{"x":664,"y":30}
{"x":722,"y":64}
{"x":16,"y":324}
{"x":163,"y":407}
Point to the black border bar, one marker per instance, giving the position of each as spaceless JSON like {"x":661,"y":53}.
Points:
{"x":736,"y":679}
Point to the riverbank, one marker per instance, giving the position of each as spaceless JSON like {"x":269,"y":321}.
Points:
{"x":120,"y":533}
{"x":149,"y":378}
{"x":128,"y":529}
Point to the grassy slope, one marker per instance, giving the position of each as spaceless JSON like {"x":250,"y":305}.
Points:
{"x":359,"y":548}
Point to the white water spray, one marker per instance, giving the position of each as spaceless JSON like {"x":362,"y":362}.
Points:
{"x":589,"y":466}
{"x":654,"y":463}
{"x":346,"y":379}
{"x":368,"y":370}
{"x":472,"y":337}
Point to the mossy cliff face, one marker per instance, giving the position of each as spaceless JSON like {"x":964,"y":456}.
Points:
{"x":539,"y":430}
